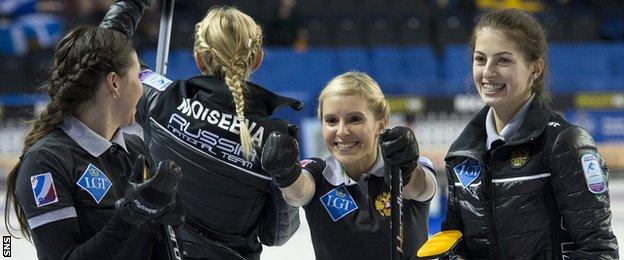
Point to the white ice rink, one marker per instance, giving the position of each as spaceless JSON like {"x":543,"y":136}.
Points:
{"x":300,"y":247}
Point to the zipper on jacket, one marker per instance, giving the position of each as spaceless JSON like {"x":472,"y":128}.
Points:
{"x":490,"y":197}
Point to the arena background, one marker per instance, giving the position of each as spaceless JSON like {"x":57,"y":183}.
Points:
{"x":416,"y":50}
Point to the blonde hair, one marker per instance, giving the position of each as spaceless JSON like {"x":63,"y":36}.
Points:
{"x":229,"y":41}
{"x":355,"y":83}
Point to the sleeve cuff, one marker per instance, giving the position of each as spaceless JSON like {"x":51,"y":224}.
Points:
{"x":49,"y":217}
{"x":431,"y":185}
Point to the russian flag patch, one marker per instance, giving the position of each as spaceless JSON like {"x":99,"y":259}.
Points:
{"x":43,"y":189}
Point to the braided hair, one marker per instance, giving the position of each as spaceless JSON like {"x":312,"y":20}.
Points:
{"x":81,"y":62}
{"x":229,"y":41}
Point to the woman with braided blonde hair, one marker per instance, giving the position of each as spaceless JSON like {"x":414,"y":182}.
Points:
{"x":214,"y":125}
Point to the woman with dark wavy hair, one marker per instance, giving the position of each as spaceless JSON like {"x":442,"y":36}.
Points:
{"x":77,"y":189}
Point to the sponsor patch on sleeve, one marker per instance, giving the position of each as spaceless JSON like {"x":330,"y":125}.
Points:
{"x":596,"y":182}
{"x":43,"y":189}
{"x":467,"y":172}
{"x":94,"y":182}
{"x":338,"y":203}
{"x":150,"y":78}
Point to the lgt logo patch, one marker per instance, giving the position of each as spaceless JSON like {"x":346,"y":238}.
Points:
{"x":338,"y":203}
{"x":94,"y":182}
{"x":467,"y":172}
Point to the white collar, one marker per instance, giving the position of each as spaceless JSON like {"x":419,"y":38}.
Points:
{"x":510,"y":129}
{"x":337,"y":176}
{"x":91,"y":142}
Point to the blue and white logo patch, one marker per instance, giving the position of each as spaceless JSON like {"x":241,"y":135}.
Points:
{"x":43,"y":189}
{"x":593,"y":173}
{"x":338,"y":203}
{"x":94,"y":182}
{"x":148,"y":77}
{"x":467,"y":172}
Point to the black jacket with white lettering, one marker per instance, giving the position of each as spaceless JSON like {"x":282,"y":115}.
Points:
{"x":541,"y":195}
{"x":228,"y":200}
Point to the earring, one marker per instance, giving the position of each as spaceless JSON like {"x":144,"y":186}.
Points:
{"x":116,"y":95}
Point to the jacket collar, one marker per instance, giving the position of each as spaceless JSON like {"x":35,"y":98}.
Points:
{"x":471,"y":142}
{"x":510,"y":129}
{"x":336,"y":175}
{"x":258,"y":100}
{"x":91,"y":142}
{"x":534,"y":123}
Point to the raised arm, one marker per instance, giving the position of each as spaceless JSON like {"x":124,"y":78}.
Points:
{"x":399,"y":147}
{"x":124,"y":15}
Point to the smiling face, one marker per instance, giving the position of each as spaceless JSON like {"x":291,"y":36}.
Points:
{"x":350,"y":132}
{"x":501,"y":75}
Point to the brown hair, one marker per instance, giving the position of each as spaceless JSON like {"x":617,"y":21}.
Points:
{"x":229,"y":41}
{"x":82,"y":60}
{"x":528,"y":35}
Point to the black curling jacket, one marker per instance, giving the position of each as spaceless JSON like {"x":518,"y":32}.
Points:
{"x":543,"y":194}
{"x":67,"y":185}
{"x":231,"y":204}
{"x":229,"y":200}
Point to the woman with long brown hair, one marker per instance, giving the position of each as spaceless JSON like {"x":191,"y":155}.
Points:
{"x":523,"y":182}
{"x":78,"y":188}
